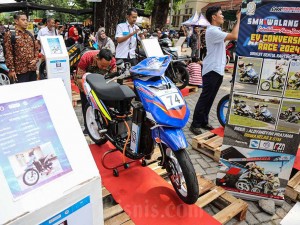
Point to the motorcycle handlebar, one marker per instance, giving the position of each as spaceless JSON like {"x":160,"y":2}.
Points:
{"x":112,"y":75}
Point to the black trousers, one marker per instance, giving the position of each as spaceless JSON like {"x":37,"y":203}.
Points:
{"x":26,"y":77}
{"x":84,"y":101}
{"x":211,"y":84}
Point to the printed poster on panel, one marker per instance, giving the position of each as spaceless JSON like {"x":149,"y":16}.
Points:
{"x":31,"y":153}
{"x":262,"y":132}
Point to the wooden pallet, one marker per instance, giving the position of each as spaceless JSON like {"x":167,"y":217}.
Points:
{"x":293,"y":188}
{"x":75,"y":98}
{"x":229,"y":206}
{"x":208,"y":144}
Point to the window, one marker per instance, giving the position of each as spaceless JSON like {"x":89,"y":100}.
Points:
{"x":191,"y":10}
{"x":186,"y":11}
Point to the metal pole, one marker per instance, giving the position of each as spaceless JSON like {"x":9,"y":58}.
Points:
{"x":95,"y":10}
{"x":170,"y":22}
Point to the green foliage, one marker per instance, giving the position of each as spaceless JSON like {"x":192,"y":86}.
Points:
{"x":247,"y":122}
{"x":149,"y":4}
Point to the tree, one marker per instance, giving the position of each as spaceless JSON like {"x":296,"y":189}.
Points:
{"x":111,"y":12}
{"x":159,"y":10}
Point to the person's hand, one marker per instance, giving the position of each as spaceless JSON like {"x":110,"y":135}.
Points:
{"x":136,"y":31}
{"x":12,"y":75}
{"x":32,"y":62}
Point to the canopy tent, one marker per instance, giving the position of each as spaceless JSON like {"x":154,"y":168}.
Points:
{"x":202,"y":21}
{"x":191,"y":20}
{"x":196,"y":20}
{"x":11,"y":7}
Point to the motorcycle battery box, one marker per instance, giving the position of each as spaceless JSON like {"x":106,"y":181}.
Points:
{"x":137,"y":119}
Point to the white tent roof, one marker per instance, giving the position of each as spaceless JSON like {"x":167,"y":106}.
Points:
{"x":191,"y":20}
{"x":202,"y":21}
{"x":196,"y":20}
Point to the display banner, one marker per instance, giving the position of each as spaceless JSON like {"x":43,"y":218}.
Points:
{"x":262,"y":132}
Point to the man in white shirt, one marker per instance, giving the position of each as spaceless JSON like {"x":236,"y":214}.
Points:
{"x":48,"y":30}
{"x":127,"y":36}
{"x":213,"y":66}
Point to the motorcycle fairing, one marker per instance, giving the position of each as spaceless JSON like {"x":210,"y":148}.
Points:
{"x":152,"y":66}
{"x":266,"y":113}
{"x":172,"y":137}
{"x":100,"y":105}
{"x":95,"y":102}
{"x":154,"y":103}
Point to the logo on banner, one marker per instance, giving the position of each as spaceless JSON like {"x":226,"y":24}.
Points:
{"x":251,"y":8}
{"x":254,"y":143}
{"x":267,"y":145}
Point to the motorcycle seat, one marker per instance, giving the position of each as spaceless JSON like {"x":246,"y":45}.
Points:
{"x":108,"y":92}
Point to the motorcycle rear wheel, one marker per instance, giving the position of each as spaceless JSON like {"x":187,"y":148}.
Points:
{"x":182,"y":175}
{"x":31,"y":177}
{"x":92,"y":126}
{"x":178,"y":75}
{"x":265,"y":86}
{"x":242,"y":185}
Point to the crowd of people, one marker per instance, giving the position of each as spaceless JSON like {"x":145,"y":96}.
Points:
{"x":207,"y":45}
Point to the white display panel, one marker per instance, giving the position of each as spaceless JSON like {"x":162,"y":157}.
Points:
{"x":66,"y":139}
{"x":152,"y":47}
{"x":57,"y":60}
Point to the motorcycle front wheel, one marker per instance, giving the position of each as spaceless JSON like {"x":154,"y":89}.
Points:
{"x":222,"y":109}
{"x":43,"y":71}
{"x":31,"y":177}
{"x":92,"y":126}
{"x":178,"y":75}
{"x":182,"y":175}
{"x":265,"y":86}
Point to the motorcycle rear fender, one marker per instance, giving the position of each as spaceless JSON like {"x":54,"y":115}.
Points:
{"x":172,"y":137}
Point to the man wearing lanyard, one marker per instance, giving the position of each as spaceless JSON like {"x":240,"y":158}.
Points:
{"x":127,"y":36}
{"x":213,"y":66}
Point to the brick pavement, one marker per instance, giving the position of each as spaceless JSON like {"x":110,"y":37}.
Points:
{"x":208,"y":168}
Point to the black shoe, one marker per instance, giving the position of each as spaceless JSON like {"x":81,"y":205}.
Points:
{"x":85,"y":132}
{"x":195,"y":130}
{"x":207,"y":127}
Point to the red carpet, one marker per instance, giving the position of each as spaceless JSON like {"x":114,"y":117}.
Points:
{"x":218,"y":131}
{"x":146,"y":197}
{"x":185,"y":92}
{"x":297,"y":161}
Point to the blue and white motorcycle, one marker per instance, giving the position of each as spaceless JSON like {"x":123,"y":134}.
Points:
{"x":135,"y":121}
{"x":4,"y":79}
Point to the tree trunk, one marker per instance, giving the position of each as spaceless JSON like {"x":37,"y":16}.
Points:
{"x":159,"y":14}
{"x":109,"y":13}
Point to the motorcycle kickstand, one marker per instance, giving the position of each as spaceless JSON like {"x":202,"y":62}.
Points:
{"x":115,"y":168}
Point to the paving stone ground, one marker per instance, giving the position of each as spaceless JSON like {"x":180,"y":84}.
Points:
{"x":208,"y":168}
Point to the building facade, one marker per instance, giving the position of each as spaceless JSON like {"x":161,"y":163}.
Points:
{"x":187,"y":9}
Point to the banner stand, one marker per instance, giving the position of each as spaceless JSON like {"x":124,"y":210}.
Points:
{"x":263,"y":121}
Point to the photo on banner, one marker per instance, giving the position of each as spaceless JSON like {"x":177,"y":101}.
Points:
{"x":262,"y":133}
{"x":248,"y":74}
{"x":31,"y":153}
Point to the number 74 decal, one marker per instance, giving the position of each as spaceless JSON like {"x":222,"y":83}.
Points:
{"x":172,"y":100}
